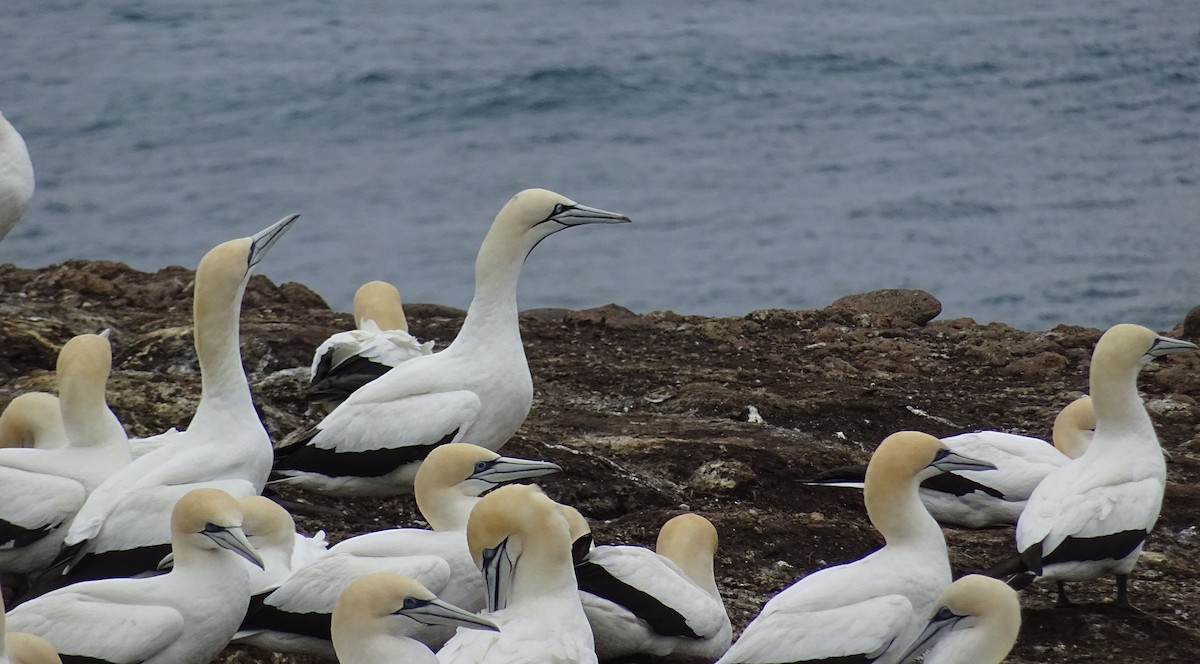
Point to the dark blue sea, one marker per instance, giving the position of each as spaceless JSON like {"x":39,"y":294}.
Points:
{"x":1026,"y":162}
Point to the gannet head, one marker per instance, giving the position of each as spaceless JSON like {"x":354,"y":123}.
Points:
{"x":1128,"y":345}
{"x":1074,"y":426}
{"x":84,"y":363}
{"x":581,"y":533}
{"x":901,"y":462}
{"x":266,"y":524}
{"x":505,"y":524}
{"x":379,"y":301}
{"x":231,"y":262}
{"x":974,"y":602}
{"x":690,"y":541}
{"x":534,"y":214}
{"x":467,"y":470}
{"x":31,"y":419}
{"x":210,"y":518}
{"x":399,"y":600}
{"x":16,"y":176}
{"x":23,"y":648}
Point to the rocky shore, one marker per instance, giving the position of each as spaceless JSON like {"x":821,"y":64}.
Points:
{"x":653,"y":414}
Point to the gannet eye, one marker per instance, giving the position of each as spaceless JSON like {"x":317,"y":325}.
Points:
{"x":481,"y":466}
{"x":944,"y":613}
{"x":212,"y":528}
{"x":410,"y":603}
{"x":558,"y":208}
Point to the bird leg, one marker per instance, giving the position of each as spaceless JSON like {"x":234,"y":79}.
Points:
{"x":1122,"y":601}
{"x":1063,"y":601}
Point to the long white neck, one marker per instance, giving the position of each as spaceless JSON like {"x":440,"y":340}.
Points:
{"x":224,"y":391}
{"x":492,"y":316}
{"x":86,"y":417}
{"x":896,"y":511}
{"x":446,"y":508}
{"x":1121,"y":417}
{"x":379,"y":647}
{"x":696,"y":564}
{"x":544,"y":573}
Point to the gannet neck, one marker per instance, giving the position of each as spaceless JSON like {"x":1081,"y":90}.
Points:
{"x":690,"y":541}
{"x":83,"y":369}
{"x":890,"y":489}
{"x":221,"y":281}
{"x":16,"y":176}
{"x":1074,"y":426}
{"x":1120,"y":414}
{"x":30,"y":420}
{"x":379,"y":301}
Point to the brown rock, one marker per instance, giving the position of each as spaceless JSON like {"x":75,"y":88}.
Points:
{"x":886,"y":307}
{"x":1040,"y":367}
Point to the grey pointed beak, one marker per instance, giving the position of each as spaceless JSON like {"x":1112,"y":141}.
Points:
{"x":497,"y":575}
{"x":942,"y":621}
{"x":507,"y":469}
{"x":578,"y":215}
{"x":437,"y":612}
{"x":946,"y":461}
{"x":1168,"y":346}
{"x":234,"y":539}
{"x":263,"y":240}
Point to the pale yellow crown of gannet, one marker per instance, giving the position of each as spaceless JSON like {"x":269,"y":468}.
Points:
{"x":16,"y":177}
{"x":272,"y":531}
{"x":521,"y":542}
{"x":1074,"y":426}
{"x":42,"y":489}
{"x":375,"y":615}
{"x":22,"y":648}
{"x":183,"y":617}
{"x":224,"y":446}
{"x":662,"y":602}
{"x":975,"y":621}
{"x":477,"y":390}
{"x":348,"y":360}
{"x":447,"y":487}
{"x":866,"y":608}
{"x":32,"y":420}
{"x":1091,"y":517}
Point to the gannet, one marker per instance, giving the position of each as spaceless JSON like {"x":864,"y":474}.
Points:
{"x":123,"y":527}
{"x":375,"y":615}
{"x":42,"y":489}
{"x":16,"y":177}
{"x":868,"y":608}
{"x":990,"y":498}
{"x":1091,"y":517}
{"x":660,"y":603}
{"x":348,"y":360}
{"x":295,"y":616}
{"x":477,"y":390}
{"x":975,"y":621}
{"x":521,"y":541}
{"x":22,"y":648}
{"x":32,"y":420}
{"x":185,"y":616}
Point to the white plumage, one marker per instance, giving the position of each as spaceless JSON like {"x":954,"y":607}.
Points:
{"x":16,"y":176}
{"x":477,"y":390}
{"x":22,"y":648}
{"x":869,"y":607}
{"x":32,"y":420}
{"x":975,"y":621}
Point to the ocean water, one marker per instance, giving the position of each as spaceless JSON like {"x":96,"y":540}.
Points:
{"x":1033,"y":163}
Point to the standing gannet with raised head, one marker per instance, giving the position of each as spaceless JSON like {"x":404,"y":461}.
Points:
{"x":184,"y":616}
{"x":375,"y":615}
{"x":975,"y":621}
{"x":123,"y":529}
{"x":477,"y":390}
{"x":1091,"y":517}
{"x":521,"y":541}
{"x":42,"y":489}
{"x":32,"y":419}
{"x":22,"y":648}
{"x":295,"y":616}
{"x":348,"y":360}
{"x":991,"y":498}
{"x":662,"y":602}
{"x":866,"y":610}
{"x":16,"y":177}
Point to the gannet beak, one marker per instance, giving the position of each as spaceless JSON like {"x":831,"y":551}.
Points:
{"x":437,"y":612}
{"x":1168,"y":346}
{"x":263,"y":240}
{"x":943,"y":620}
{"x":234,"y":539}
{"x":106,"y":333}
{"x":945,"y":460}
{"x":497,"y":575}
{"x":167,"y":562}
{"x":577,"y":215}
{"x":508,"y":469}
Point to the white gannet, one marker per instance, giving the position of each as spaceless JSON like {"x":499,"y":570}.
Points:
{"x":295,"y":616}
{"x":185,"y":616}
{"x":477,"y":390}
{"x":990,"y":498}
{"x":16,"y":177}
{"x":975,"y":621}
{"x":521,"y":541}
{"x":22,"y":648}
{"x":42,"y":489}
{"x":1091,"y":517}
{"x":32,"y":420}
{"x":123,"y":528}
{"x":272,"y":532}
{"x":662,"y":602}
{"x":348,"y":360}
{"x":868,"y":608}
{"x":375,"y":615}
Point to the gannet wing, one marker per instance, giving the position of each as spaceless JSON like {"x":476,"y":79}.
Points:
{"x":866,"y":628}
{"x":1059,"y":512}
{"x":1021,"y":462}
{"x":315,"y":587}
{"x":32,"y":505}
{"x":79,"y":623}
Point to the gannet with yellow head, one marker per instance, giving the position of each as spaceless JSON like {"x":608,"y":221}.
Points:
{"x":477,"y":390}
{"x":975,"y":621}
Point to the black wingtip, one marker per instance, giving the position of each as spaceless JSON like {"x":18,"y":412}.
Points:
{"x":839,"y":475}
